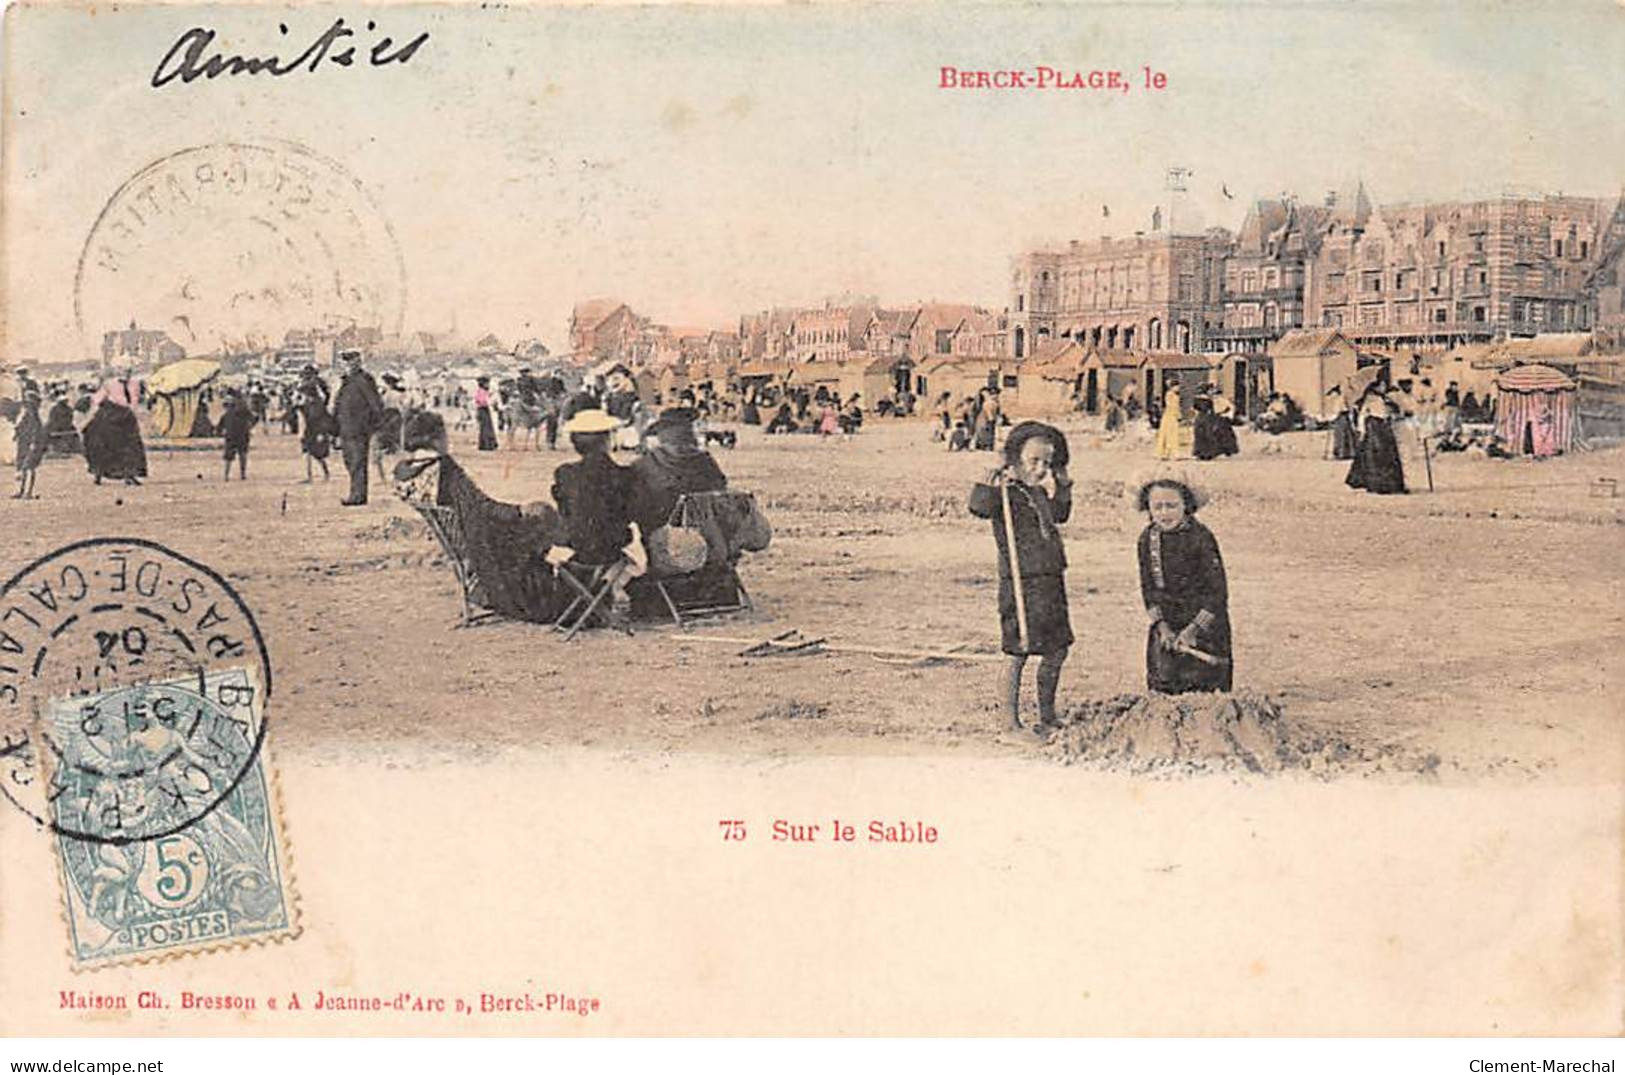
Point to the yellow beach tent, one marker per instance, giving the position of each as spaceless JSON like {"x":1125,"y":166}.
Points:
{"x":178,"y":390}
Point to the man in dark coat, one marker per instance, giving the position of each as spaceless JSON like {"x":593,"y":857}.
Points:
{"x":674,"y":465}
{"x":358,"y":409}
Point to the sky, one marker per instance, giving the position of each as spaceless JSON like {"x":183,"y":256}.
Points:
{"x":699,"y":162}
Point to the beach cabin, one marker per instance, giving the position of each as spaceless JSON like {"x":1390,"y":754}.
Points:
{"x":869,"y":377}
{"x":1161,"y":370}
{"x":1535,"y":413}
{"x":1111,"y":374}
{"x":1307,"y":364}
{"x":959,"y":376}
{"x":1246,"y":379}
{"x":1047,"y":382}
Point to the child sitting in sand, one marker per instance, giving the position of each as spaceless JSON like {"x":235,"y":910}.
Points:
{"x":1183,"y":584}
{"x":1032,"y":560}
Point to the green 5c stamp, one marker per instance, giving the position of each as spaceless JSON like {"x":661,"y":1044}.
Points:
{"x":164,"y":818}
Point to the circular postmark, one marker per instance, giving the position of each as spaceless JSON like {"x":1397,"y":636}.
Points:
{"x":133,"y":683}
{"x":229,"y":245}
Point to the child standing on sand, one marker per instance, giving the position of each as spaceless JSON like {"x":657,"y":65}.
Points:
{"x":1186,"y":595}
{"x":31,"y":444}
{"x":1032,"y":560}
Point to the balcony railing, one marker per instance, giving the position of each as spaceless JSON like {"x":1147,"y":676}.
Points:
{"x":1485,"y":329}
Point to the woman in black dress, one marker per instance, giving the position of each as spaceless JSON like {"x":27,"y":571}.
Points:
{"x":112,"y":437}
{"x":1376,"y":467}
{"x":1344,"y":440}
{"x":1213,"y":435}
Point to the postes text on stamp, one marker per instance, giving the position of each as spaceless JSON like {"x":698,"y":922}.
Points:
{"x":184,"y":848}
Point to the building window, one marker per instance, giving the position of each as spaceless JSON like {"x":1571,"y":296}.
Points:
{"x":1585,"y":249}
{"x":1557,"y":248}
{"x":1440,"y":316}
{"x":1249,"y":281}
{"x":1441,"y":249}
{"x":1478,"y":314}
{"x":1021,"y":303}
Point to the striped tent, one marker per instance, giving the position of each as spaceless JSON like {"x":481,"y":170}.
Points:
{"x":1536,"y":412}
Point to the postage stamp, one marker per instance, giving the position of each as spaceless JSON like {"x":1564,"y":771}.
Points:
{"x":134,"y":684}
{"x":182,"y":845}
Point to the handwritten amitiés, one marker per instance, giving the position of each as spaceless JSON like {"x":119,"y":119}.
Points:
{"x":192,"y":55}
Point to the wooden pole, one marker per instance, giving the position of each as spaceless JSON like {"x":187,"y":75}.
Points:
{"x":1015,"y":564}
{"x":1427,"y":460}
{"x":843,"y":647}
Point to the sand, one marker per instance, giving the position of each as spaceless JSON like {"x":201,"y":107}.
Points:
{"x":1479,"y":625}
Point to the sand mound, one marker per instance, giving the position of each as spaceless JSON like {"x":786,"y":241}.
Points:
{"x":1208,"y":732}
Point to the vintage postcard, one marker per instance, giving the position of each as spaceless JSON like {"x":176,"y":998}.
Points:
{"x":812,"y":519}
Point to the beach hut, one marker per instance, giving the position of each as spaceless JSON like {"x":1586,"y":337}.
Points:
{"x":177,"y":391}
{"x":1162,"y":370}
{"x":670,"y":380}
{"x":1113,"y":374}
{"x":1536,"y":412}
{"x":873,"y":377}
{"x":1308,"y":363}
{"x":958,"y":376}
{"x":1046,"y":382}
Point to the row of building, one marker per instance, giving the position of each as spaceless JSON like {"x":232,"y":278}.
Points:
{"x":1393,"y":280}
{"x":854,"y":345}
{"x":1421,"y":277}
{"x":148,"y":349}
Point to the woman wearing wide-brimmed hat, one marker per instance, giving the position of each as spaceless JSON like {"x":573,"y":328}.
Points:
{"x":594,"y":493}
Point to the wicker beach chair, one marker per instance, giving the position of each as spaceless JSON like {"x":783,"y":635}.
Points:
{"x":447,"y":529}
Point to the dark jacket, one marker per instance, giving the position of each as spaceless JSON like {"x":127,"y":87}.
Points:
{"x":1034,"y":518}
{"x":236,"y":424}
{"x":359,"y":408}
{"x":594,"y":496}
{"x":1182,"y":575}
{"x":663,"y":476}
